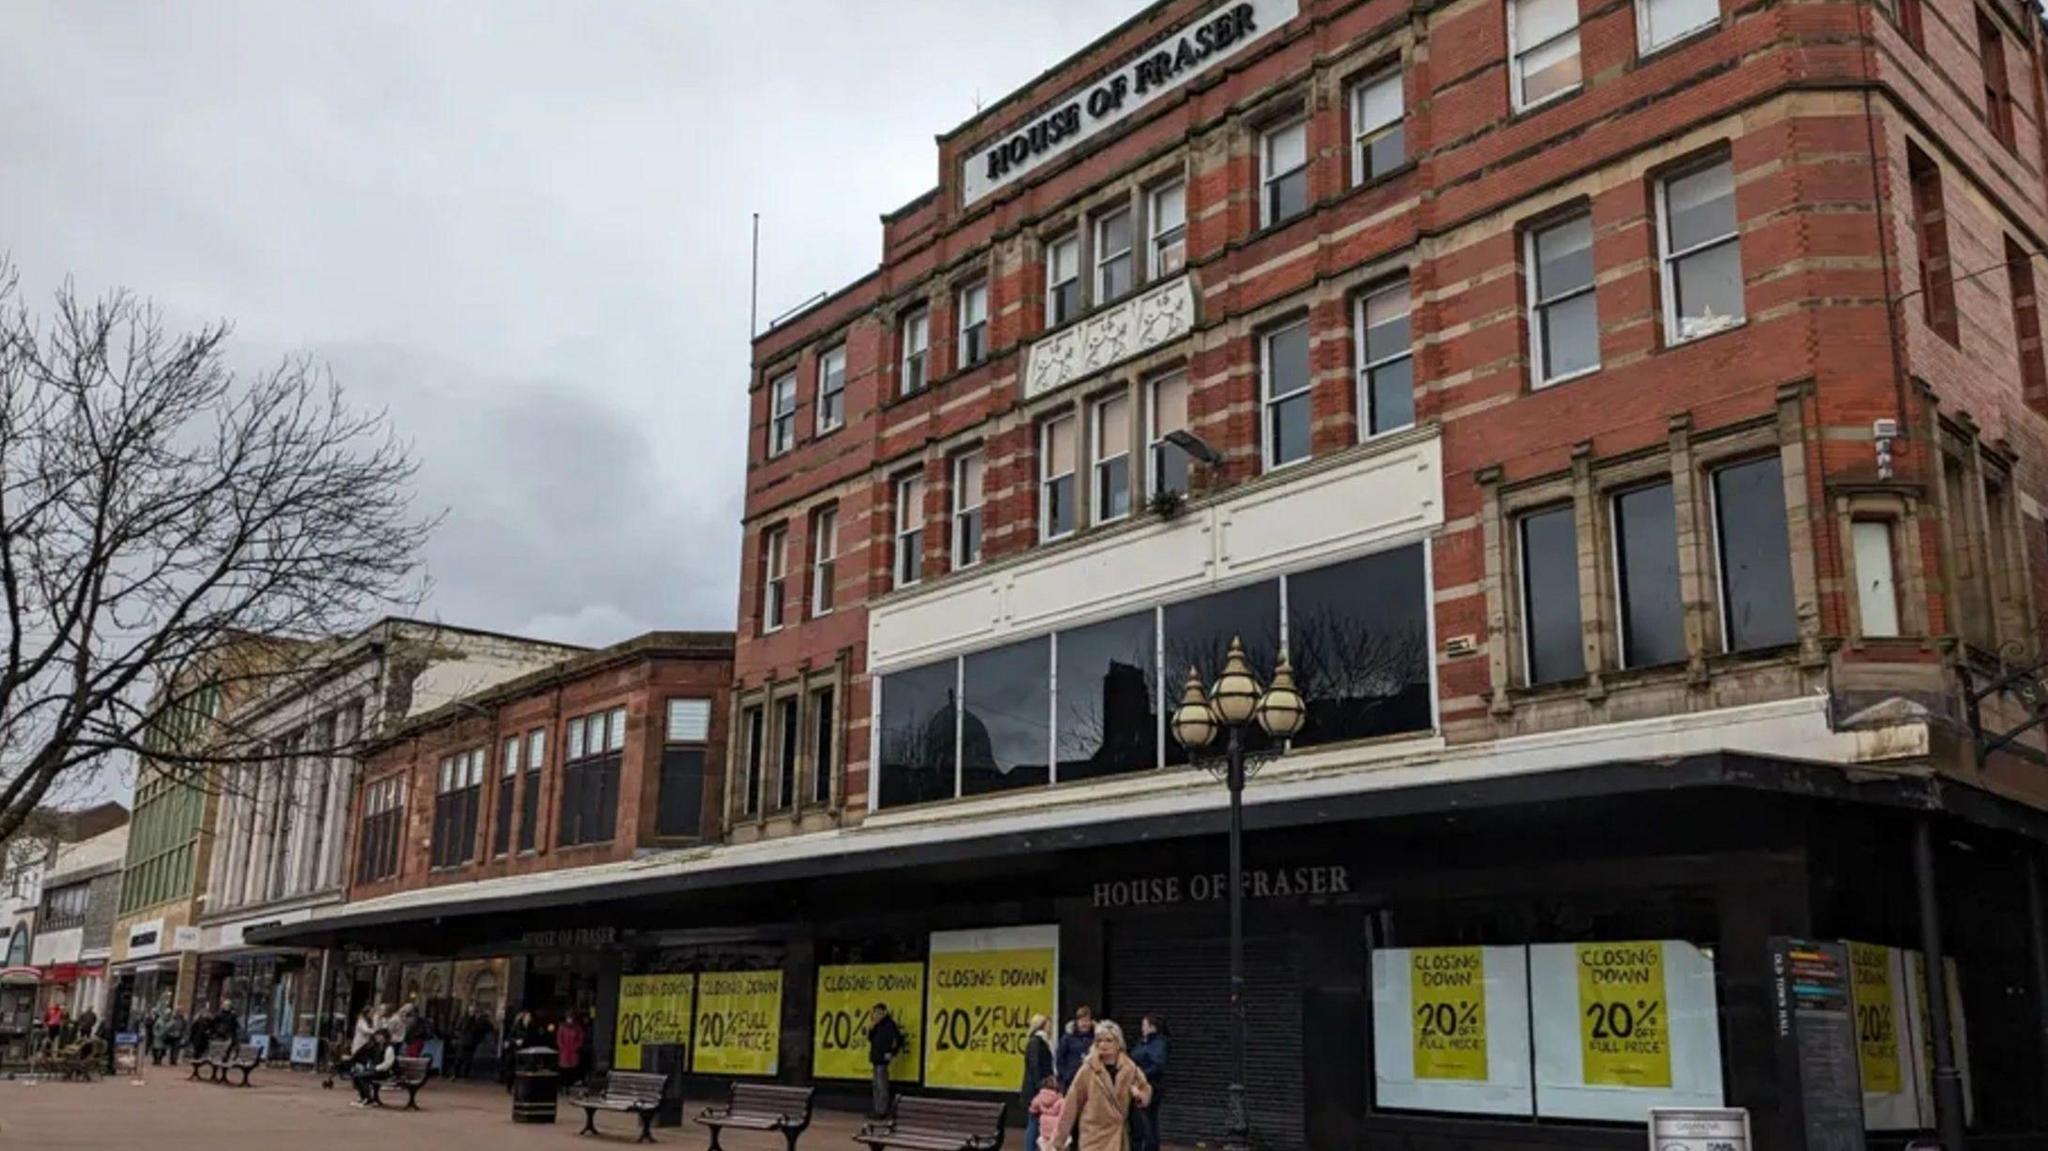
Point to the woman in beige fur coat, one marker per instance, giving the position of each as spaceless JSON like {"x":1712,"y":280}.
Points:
{"x":1099,"y":1103}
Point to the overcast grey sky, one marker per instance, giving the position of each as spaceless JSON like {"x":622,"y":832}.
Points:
{"x":520,"y":227}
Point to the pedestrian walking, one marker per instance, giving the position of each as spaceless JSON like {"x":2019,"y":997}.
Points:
{"x":174,"y":1036}
{"x":1043,"y":1114}
{"x":1076,"y":1045}
{"x":1150,"y":1056}
{"x":1105,"y":1089}
{"x":569,"y":1050}
{"x":199,"y":1032}
{"x":53,"y":1025}
{"x":227,"y":1027}
{"x":1039,"y":1065}
{"x":520,"y":1034}
{"x":885,"y":1042}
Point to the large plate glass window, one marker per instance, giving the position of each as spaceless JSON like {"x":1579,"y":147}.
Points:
{"x":1115,"y":267}
{"x":1283,"y":172}
{"x":1358,"y":638}
{"x":1166,"y":411}
{"x":1005,"y":727}
{"x":1198,"y":633}
{"x":1751,"y":542}
{"x":1552,"y":647}
{"x":973,"y":307}
{"x":1386,"y":365}
{"x":967,"y":488}
{"x":1378,"y":139}
{"x":1062,"y":280}
{"x":916,"y":347}
{"x":1284,"y":376}
{"x":1646,"y":576}
{"x":1661,"y":22}
{"x":1564,"y":322}
{"x":1702,"y":252}
{"x":1056,"y":460}
{"x":909,"y":529}
{"x":1107,"y":723}
{"x":1544,"y":35}
{"x":1169,"y":217}
{"x":1110,"y":447}
{"x":918,"y":735}
{"x":782,"y":416}
{"x":831,"y":389}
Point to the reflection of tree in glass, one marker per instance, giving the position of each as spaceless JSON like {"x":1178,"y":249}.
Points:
{"x":918,"y":734}
{"x":1361,"y":677}
{"x":1106,"y":722}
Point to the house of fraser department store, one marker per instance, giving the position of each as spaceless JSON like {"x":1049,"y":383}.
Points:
{"x":1530,"y":354}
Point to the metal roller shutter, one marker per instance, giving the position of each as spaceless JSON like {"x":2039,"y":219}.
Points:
{"x":1184,"y":978}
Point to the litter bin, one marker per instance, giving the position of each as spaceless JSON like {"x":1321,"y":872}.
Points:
{"x":535,"y":1085}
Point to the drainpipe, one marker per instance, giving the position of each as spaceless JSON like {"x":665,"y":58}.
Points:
{"x":2037,"y":919}
{"x":1948,"y":1082}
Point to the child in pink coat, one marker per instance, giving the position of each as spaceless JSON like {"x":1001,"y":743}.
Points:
{"x":1046,"y":1107}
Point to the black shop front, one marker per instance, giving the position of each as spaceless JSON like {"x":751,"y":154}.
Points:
{"x":1501,"y":964}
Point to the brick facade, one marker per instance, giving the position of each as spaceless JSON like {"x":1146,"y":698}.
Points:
{"x":639,"y":676}
{"x":1814,"y":107}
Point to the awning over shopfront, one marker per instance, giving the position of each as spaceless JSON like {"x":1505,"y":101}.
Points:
{"x":65,"y":973}
{"x":20,"y":976}
{"x":1152,"y":808}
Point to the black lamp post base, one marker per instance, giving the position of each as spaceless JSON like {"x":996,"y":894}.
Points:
{"x":1237,"y":1128}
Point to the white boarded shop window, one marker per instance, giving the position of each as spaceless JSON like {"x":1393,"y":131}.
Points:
{"x":1599,"y":1031}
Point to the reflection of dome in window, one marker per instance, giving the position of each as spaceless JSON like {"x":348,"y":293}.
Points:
{"x":936,"y":748}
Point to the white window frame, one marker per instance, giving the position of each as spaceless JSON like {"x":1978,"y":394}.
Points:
{"x":961,"y":510}
{"x":1268,"y":401}
{"x":1533,"y":312}
{"x":1046,"y":477}
{"x":1366,"y":368}
{"x":1268,"y":177}
{"x":1154,"y":442}
{"x":1100,"y":457}
{"x":916,"y":348}
{"x":827,"y":393}
{"x":1517,"y":50}
{"x":774,"y":578}
{"x":782,"y":414}
{"x":1160,"y":240}
{"x":1362,"y":134}
{"x":824,"y":535}
{"x":908,"y":569}
{"x":1104,"y":257}
{"x":1644,"y":45}
{"x":1667,"y":260}
{"x":1858,"y":529}
{"x":1052,"y":286}
{"x":967,"y":325}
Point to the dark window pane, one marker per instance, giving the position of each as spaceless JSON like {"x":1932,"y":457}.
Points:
{"x":1551,"y":628}
{"x":1571,"y":336}
{"x":1004,"y":735}
{"x":825,"y":726}
{"x":1059,"y":506}
{"x":1358,"y":637}
{"x":1386,"y":153}
{"x":682,"y":792}
{"x":501,"y":841}
{"x":1290,"y":429}
{"x":916,"y":764}
{"x":1646,"y":542}
{"x":1756,"y":563}
{"x":529,"y":810}
{"x":1287,"y":197}
{"x":1107,"y":724}
{"x":1113,"y":488}
{"x":1393,"y":395}
{"x":1169,"y":469}
{"x":1198,"y":635}
{"x":785,"y":791}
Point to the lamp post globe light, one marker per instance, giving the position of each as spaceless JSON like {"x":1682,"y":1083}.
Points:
{"x":1235,"y":701}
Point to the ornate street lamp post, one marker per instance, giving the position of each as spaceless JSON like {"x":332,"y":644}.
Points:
{"x":1234,"y":702}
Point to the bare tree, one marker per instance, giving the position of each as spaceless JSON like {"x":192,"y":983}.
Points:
{"x":169,"y":529}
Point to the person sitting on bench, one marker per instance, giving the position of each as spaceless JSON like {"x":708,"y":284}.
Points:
{"x":373,"y":1064}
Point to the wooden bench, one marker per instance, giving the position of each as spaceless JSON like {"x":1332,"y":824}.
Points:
{"x":246,"y":1058}
{"x":761,"y":1107}
{"x":926,"y":1124}
{"x":210,"y":1064}
{"x":638,"y":1093}
{"x":409,"y":1075}
{"x":81,"y":1060}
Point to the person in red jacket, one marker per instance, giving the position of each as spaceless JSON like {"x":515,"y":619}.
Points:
{"x":569,"y":1049}
{"x":53,"y":1023}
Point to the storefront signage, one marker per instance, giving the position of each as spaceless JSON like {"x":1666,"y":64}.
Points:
{"x":1873,"y":988}
{"x":569,"y":937}
{"x":145,"y":938}
{"x":305,"y":1051}
{"x":654,"y":1011}
{"x":360,"y":957}
{"x":1812,"y":994}
{"x":985,"y":987}
{"x":846,"y":1000}
{"x":1699,"y":1129}
{"x":1169,"y":62}
{"x":739,"y":1023}
{"x":1448,"y":989}
{"x":1263,"y":883}
{"x":1451,"y":1029}
{"x":185,"y":938}
{"x":1152,"y":319}
{"x":1623,"y":1015}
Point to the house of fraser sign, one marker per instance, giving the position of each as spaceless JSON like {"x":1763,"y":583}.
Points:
{"x":1165,"y":65}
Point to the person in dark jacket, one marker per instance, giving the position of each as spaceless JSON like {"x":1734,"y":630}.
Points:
{"x":199,"y":1032}
{"x":373,"y":1064}
{"x":885,"y":1042}
{"x":226,"y":1027}
{"x":1039,"y":1066}
{"x":520,"y":1034}
{"x":1150,"y":1056}
{"x":1076,"y":1044}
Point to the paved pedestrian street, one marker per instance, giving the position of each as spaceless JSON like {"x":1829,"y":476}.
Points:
{"x":290,"y":1109}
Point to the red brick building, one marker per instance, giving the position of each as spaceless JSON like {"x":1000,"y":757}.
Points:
{"x":1594,"y":402}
